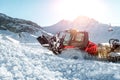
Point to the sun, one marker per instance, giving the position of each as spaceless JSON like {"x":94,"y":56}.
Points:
{"x":70,"y":9}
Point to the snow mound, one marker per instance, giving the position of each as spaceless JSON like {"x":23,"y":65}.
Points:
{"x":12,"y":40}
{"x":73,"y":54}
{"x":32,"y":62}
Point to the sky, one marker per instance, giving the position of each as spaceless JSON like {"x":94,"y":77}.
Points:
{"x":49,"y":12}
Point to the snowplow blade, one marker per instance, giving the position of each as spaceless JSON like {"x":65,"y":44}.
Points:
{"x":43,"y":41}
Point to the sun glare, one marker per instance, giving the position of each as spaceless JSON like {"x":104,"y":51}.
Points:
{"x":70,"y":9}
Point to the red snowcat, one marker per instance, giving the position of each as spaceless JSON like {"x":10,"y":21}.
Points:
{"x":72,"y":39}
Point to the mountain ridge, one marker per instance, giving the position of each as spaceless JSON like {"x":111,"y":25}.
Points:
{"x":17,"y":25}
{"x":80,"y":21}
{"x":98,"y":32}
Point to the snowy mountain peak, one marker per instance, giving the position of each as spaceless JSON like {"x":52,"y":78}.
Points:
{"x":84,"y":21}
{"x":64,"y":21}
{"x":81,"y":22}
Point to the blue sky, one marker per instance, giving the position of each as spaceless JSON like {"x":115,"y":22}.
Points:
{"x":48,"y":12}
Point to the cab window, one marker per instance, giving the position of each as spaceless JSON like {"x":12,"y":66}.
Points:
{"x":79,"y":37}
{"x":67,"y":37}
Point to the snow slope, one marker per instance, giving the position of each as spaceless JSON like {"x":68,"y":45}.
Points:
{"x":22,"y":62}
{"x":19,"y":29}
{"x":23,"y":37}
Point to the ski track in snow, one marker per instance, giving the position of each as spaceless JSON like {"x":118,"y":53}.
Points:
{"x":23,"y":62}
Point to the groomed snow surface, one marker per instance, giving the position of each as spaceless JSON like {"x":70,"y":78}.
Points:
{"x":30,"y":61}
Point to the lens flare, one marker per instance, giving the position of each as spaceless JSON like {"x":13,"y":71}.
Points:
{"x":70,"y":9}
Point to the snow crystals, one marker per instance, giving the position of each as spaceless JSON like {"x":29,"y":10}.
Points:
{"x":33,"y":62}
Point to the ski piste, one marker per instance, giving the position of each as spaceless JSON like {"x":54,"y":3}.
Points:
{"x":79,"y":41}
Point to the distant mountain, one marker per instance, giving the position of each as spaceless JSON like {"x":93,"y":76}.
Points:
{"x":81,"y":22}
{"x":19,"y":29}
{"x":61,"y":25}
{"x":17,"y":25}
{"x":98,"y":32}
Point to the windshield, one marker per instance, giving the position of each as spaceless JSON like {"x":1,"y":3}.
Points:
{"x":66,"y":36}
{"x":79,"y":37}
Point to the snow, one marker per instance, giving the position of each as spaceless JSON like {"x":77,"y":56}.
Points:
{"x":12,"y":40}
{"x":73,"y":54}
{"x":113,"y":54}
{"x":30,"y":61}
